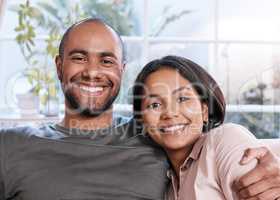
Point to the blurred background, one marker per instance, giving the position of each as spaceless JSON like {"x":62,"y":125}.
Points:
{"x":236,"y":41}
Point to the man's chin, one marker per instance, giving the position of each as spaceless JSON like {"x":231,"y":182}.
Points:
{"x":93,"y":112}
{"x":84,"y":109}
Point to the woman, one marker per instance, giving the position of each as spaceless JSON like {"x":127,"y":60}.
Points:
{"x":182,"y":109}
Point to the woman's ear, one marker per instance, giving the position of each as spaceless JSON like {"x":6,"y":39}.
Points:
{"x":205,"y":113}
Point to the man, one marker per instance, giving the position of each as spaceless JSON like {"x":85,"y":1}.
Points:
{"x":91,"y":154}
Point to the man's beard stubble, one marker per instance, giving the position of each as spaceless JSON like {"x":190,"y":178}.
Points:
{"x":86,"y":111}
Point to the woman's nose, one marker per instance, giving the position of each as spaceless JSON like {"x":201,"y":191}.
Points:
{"x":169,"y":112}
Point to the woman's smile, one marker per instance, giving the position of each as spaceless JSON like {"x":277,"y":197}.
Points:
{"x":172,"y":128}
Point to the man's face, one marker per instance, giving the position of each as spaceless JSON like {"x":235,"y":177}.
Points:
{"x":91,"y":68}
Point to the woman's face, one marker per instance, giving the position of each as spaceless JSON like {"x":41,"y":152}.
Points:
{"x":172,"y":112}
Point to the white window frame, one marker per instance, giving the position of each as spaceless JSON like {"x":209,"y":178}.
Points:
{"x":146,"y":40}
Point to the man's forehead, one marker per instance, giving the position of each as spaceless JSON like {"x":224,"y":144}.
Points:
{"x":93,"y":27}
{"x":94,"y":36}
{"x":91,"y":31}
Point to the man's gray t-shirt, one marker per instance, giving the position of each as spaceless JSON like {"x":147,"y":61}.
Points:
{"x":54,"y":163}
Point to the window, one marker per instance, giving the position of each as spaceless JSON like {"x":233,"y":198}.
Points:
{"x":236,"y":41}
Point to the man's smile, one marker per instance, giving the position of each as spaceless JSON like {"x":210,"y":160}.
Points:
{"x":92,"y":88}
{"x":93,"y":91}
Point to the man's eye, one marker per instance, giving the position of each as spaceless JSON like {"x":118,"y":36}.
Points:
{"x":154,"y":106}
{"x":107,"y":62}
{"x":182,"y":99}
{"x":78,"y":58}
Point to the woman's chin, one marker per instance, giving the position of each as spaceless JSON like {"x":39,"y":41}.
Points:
{"x":171,"y":142}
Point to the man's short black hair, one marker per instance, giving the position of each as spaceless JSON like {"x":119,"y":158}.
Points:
{"x":99,"y":20}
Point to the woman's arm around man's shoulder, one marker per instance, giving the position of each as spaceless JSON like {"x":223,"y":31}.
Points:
{"x":253,"y":165}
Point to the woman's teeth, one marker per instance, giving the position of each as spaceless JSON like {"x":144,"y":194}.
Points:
{"x":172,"y":128}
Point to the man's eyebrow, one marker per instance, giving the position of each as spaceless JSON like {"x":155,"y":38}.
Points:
{"x":108,"y":53}
{"x":80,"y":51}
{"x":180,"y":89}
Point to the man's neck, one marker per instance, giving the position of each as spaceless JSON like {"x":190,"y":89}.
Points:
{"x":79,"y":121}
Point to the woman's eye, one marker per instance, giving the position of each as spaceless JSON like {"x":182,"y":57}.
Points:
{"x":183,"y":99}
{"x":154,"y":106}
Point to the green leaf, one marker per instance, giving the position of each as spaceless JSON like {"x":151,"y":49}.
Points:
{"x":37,"y":89}
{"x":30,"y":80}
{"x":19,"y":38}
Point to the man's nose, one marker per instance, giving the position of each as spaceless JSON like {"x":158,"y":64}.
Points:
{"x":92,"y":70}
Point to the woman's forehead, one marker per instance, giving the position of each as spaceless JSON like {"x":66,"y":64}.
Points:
{"x":166,"y":82}
{"x":166,"y":78}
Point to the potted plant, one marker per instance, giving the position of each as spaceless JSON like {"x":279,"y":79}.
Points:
{"x":39,"y":74}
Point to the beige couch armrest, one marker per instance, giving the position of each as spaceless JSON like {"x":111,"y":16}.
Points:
{"x":273,"y":144}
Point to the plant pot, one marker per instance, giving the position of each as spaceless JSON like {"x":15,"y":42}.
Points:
{"x":28,"y":104}
{"x":51,"y":108}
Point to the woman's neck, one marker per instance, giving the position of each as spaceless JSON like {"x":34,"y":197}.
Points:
{"x":177,"y":157}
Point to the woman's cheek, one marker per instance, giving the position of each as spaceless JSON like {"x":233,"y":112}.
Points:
{"x":150,"y":121}
{"x":151,"y":117}
{"x":191,"y":109}
{"x":193,"y":112}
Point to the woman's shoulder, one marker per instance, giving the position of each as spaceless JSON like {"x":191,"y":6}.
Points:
{"x":227,"y":144}
{"x":230,"y":131}
{"x":230,"y":135}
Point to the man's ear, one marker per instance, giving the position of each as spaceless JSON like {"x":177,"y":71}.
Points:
{"x":58,"y":63}
{"x":123,"y":67}
{"x":205,"y":114}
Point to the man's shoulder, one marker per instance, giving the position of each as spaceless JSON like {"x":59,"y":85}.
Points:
{"x":131,"y":132}
{"x":23,"y":132}
{"x":19,"y":131}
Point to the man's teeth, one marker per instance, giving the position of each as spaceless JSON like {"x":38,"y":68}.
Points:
{"x":172,"y":128}
{"x":92,"y":89}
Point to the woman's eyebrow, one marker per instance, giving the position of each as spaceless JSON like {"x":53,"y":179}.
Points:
{"x":173,"y":92}
{"x":180,"y":89}
{"x":153,"y":96}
